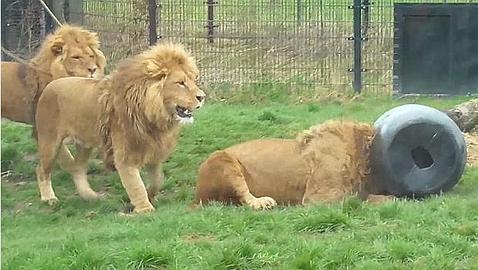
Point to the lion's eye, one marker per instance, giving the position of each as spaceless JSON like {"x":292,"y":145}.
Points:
{"x":182,"y":84}
{"x":76,"y":57}
{"x":92,"y":56}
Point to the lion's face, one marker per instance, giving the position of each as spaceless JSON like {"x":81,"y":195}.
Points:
{"x":157,"y":87}
{"x":181,"y":96}
{"x":78,"y":62}
{"x":75,"y":54}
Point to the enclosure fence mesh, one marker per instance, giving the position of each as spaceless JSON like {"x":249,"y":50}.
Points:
{"x":305,"y":43}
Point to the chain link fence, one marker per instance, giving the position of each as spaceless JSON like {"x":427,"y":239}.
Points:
{"x":303,"y":43}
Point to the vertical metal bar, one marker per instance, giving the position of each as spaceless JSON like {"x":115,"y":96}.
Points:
{"x":153,"y":35}
{"x":210,"y":21}
{"x":357,"y":84}
{"x":158,"y":19}
{"x":321,"y":16}
{"x":299,"y":11}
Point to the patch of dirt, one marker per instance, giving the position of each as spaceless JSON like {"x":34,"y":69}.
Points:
{"x":472,"y":147}
{"x":195,"y":238}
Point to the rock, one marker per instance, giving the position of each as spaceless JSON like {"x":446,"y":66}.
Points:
{"x":465,"y":115}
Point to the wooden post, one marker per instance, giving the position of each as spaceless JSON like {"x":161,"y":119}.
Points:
{"x":58,"y":8}
{"x":76,"y":12}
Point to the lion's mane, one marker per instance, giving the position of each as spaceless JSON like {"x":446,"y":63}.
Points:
{"x":343,"y":147}
{"x":124,"y":102}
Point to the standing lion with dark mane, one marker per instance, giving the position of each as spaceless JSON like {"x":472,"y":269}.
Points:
{"x":69,"y":51}
{"x":134,"y":116}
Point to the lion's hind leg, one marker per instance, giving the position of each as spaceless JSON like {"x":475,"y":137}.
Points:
{"x":77,"y":167}
{"x":221,"y":178}
{"x":47,"y":150}
{"x":156,"y":178}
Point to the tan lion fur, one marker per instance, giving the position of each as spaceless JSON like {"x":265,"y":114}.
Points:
{"x":131,"y":115}
{"x":325,"y":163}
{"x":22,"y":84}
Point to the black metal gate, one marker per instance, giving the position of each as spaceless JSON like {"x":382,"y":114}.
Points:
{"x":436,"y":49}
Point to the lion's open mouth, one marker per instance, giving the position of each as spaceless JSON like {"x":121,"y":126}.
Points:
{"x":183,"y":113}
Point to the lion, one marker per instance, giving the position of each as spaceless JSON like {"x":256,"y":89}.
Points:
{"x":134,"y":116}
{"x":69,"y":51}
{"x":323,"y":164}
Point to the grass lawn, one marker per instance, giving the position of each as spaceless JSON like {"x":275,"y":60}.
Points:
{"x":436,"y":233}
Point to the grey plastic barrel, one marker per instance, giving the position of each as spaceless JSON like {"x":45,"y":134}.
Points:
{"x":417,"y":150}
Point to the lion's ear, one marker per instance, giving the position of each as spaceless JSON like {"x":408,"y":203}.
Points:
{"x":100,"y":58}
{"x":154,"y":70}
{"x":57,"y":46}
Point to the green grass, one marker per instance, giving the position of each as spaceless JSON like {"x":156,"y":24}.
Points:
{"x":436,"y":233}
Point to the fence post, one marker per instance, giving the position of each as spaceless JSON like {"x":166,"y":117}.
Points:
{"x":153,"y":35}
{"x":4,"y":31}
{"x":299,"y":11}
{"x":210,"y":20}
{"x":75,"y":12}
{"x":357,"y":8}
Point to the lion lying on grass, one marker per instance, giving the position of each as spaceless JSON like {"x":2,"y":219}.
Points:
{"x":325,"y":163}
{"x":69,"y":51}
{"x":134,"y":116}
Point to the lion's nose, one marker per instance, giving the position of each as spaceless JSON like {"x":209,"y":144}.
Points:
{"x":200,"y":98}
{"x":92,"y":70}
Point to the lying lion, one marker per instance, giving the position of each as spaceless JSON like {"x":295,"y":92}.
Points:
{"x":325,"y":163}
{"x":134,"y":116}
{"x":69,"y":51}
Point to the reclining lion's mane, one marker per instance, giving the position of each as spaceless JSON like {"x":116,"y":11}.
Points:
{"x":319,"y":144}
{"x":325,"y":163}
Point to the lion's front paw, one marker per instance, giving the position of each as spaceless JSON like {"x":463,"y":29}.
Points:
{"x":50,"y":201}
{"x":91,"y":195}
{"x":262,"y":203}
{"x":144,"y":209}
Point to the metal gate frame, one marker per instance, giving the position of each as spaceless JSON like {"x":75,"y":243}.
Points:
{"x":360,"y":8}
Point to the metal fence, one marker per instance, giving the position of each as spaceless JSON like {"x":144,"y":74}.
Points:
{"x":22,"y":26}
{"x":304,"y":43}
